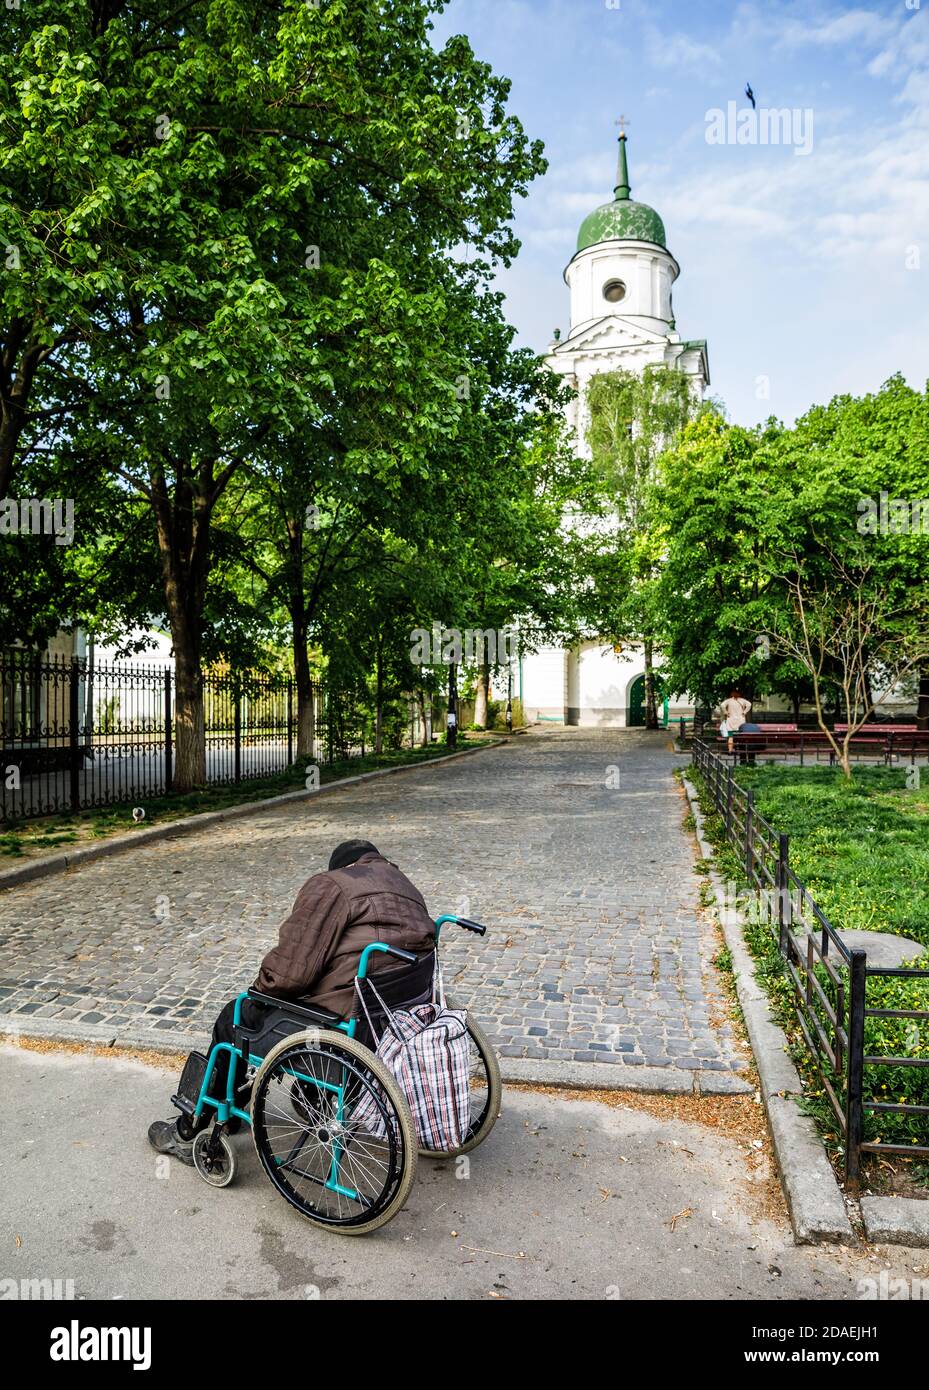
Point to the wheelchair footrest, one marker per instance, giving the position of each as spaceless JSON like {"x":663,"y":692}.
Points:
{"x":188,"y":1092}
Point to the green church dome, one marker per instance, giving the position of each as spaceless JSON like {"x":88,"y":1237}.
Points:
{"x":621,"y":219}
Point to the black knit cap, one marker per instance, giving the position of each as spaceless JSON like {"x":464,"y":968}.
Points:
{"x":348,"y":851}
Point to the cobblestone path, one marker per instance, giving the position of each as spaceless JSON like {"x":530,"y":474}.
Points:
{"x":596,"y":951}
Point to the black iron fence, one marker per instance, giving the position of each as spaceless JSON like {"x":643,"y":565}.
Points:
{"x":829,"y":982}
{"x":75,"y":735}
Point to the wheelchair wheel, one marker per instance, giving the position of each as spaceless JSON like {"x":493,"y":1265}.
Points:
{"x":214,"y":1158}
{"x":486,"y":1092}
{"x":340,"y":1145}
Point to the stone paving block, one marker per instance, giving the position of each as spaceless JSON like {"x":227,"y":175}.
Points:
{"x":596,"y":951}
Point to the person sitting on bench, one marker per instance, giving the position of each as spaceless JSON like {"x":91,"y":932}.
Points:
{"x":361,"y":898}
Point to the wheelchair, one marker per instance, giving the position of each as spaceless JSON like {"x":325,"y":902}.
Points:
{"x":298,"y":1077}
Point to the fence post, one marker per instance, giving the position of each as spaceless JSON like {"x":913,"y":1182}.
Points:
{"x":169,"y":751}
{"x":237,"y":727}
{"x":783,"y":897}
{"x":749,"y":847}
{"x":73,"y":732}
{"x":730,"y":785}
{"x":854,"y":1115}
{"x":290,"y":722}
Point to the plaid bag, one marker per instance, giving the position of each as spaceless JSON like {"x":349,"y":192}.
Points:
{"x":426,"y":1049}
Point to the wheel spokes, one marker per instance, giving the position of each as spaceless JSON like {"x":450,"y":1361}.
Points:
{"x":313,"y":1144}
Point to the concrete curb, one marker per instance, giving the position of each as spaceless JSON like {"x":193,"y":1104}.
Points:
{"x":187,"y":825}
{"x":896,"y":1220}
{"x":815,"y":1202}
{"x":613,"y":1076}
{"x":574,"y":1076}
{"x":27,"y":1027}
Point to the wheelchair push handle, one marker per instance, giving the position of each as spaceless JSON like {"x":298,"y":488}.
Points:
{"x":389,"y":950}
{"x":465,"y":922}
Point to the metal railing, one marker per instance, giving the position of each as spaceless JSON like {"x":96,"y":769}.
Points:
{"x":75,"y":735}
{"x":829,"y":982}
{"x":688,"y":726}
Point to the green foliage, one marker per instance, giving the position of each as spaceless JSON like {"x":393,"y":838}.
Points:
{"x":634,"y":418}
{"x":862,"y":847}
{"x":757,"y":520}
{"x":252,"y":254}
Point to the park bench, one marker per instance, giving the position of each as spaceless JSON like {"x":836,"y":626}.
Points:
{"x":904,"y":741}
{"x":802,"y":743}
{"x":880,"y":742}
{"x":907,"y":745}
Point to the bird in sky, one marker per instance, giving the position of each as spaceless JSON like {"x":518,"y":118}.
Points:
{"x":750,"y":94}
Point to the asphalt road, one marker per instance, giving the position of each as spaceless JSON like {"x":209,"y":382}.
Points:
{"x":566,"y":1199}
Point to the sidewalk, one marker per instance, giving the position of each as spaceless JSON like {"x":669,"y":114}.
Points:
{"x":567,"y":1199}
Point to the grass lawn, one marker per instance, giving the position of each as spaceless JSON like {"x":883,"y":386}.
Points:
{"x":47,"y":834}
{"x":861,"y":847}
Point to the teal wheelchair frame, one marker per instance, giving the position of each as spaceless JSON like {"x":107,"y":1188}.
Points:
{"x":319,"y":1119}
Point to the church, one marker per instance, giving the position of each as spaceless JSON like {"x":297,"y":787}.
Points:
{"x":620,"y":281}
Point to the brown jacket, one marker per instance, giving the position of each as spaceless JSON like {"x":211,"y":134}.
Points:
{"x":335,"y":916}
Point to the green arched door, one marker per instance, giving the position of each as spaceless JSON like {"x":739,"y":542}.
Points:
{"x":637,"y":703}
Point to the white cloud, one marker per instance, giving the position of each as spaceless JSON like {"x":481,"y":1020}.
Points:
{"x":678,"y":50}
{"x":852,"y":27}
{"x":799,"y":24}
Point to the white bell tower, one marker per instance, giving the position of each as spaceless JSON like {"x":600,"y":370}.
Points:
{"x":620,"y":279}
{"x":622,"y":267}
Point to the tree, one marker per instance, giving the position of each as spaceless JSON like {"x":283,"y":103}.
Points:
{"x":634,"y":418}
{"x":758,"y":521}
{"x":216,"y":208}
{"x":717,"y":486}
{"x":846,"y":629}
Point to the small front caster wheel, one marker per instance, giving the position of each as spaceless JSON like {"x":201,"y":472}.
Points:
{"x":214,"y":1158}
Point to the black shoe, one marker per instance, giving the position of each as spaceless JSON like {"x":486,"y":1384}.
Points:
{"x":163,"y":1136}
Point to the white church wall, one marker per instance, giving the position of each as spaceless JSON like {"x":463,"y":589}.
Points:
{"x":544,"y":690}
{"x":604,"y":678}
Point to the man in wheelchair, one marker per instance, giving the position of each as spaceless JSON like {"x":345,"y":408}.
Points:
{"x":361,"y":898}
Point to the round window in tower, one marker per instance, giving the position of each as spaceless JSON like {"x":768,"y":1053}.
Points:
{"x":614,"y":291}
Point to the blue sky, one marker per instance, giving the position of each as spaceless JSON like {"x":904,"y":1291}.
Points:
{"x":809,"y":271}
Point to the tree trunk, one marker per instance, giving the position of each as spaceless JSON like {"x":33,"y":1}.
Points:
{"x":651,"y":704}
{"x":189,"y":724}
{"x":306,"y":705}
{"x":299,"y":628}
{"x":922,"y":706}
{"x":482,"y":696}
{"x":379,"y":700}
{"x":15,"y":392}
{"x":182,"y":525}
